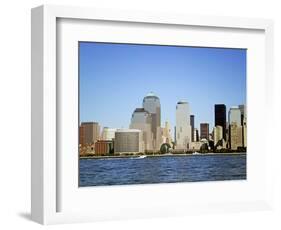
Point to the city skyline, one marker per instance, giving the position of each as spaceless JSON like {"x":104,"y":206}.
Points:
{"x":113,"y":78}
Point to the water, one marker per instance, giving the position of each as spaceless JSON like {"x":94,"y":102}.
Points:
{"x":164,"y":169}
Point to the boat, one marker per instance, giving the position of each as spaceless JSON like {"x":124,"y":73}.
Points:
{"x":195,"y":153}
{"x":141,"y":156}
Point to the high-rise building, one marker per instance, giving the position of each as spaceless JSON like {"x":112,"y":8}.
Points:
{"x":244,"y":123}
{"x":108,"y":134}
{"x":204,"y":131}
{"x":142,"y":120}
{"x":195,"y":135}
{"x":192,"y":126}
{"x":242,"y":112}
{"x":89,"y":133}
{"x":220,"y":117}
{"x":128,"y":141}
{"x":234,"y":115}
{"x":235,"y":128}
{"x":217,"y":134}
{"x":183,"y":127}
{"x":151,"y":104}
{"x":236,"y":137}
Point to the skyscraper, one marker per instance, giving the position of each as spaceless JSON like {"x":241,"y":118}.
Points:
{"x":183,"y":127}
{"x":234,"y":115}
{"x":235,"y":128}
{"x":220,"y":117}
{"x":242,"y":111}
{"x":142,"y":120}
{"x":236,"y":136}
{"x":192,"y":126}
{"x":244,"y":123}
{"x":151,"y":104}
{"x":217,"y":134}
{"x":204,"y":131}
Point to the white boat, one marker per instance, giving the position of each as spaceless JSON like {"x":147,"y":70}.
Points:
{"x":142,"y":156}
{"x":195,"y":153}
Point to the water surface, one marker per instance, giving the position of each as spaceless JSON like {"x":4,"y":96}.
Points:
{"x":164,"y":169}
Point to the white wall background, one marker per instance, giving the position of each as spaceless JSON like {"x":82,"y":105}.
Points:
{"x":15,"y":112}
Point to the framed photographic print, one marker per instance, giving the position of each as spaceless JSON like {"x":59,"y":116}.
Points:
{"x":138,"y":114}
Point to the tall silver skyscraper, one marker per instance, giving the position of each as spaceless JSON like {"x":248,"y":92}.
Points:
{"x":183,"y":127}
{"x":151,"y":104}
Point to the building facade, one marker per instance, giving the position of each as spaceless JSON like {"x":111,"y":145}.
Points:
{"x":108,"y":134}
{"x":204,"y":131}
{"x":192,"y":120}
{"x":220,"y":117}
{"x":167,"y":133}
{"x":103,"y":147}
{"x":151,"y":104}
{"x":89,"y":133}
{"x":217,"y":134}
{"x":236,"y":136}
{"x":142,"y":120}
{"x":195,"y":135}
{"x":234,"y":115}
{"x":183,"y":127}
{"x":128,"y":141}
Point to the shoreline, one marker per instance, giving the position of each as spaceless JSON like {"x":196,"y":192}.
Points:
{"x":164,"y":155}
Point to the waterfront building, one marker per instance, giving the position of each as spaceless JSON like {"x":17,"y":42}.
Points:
{"x":167,"y":133}
{"x":245,"y":135}
{"x":160,"y":139}
{"x":234,"y":115}
{"x":103,"y":147}
{"x":220,"y":117}
{"x":183,"y":127}
{"x":195,"y":135}
{"x":236,"y":130}
{"x":192,"y":120}
{"x":128,"y":141}
{"x":195,"y":145}
{"x":236,"y":136}
{"x":108,"y":134}
{"x":244,"y":123}
{"x":217,"y":134}
{"x":89,"y":133}
{"x":204,"y":131}
{"x":142,"y":120}
{"x":151,"y":104}
{"x":242,"y":112}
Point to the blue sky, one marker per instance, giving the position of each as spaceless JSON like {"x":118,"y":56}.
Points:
{"x":114,"y":78}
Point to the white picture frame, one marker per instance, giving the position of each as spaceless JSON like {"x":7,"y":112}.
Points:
{"x":55,"y":198}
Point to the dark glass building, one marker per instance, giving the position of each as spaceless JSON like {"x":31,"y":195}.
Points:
{"x":204,"y":131}
{"x":192,"y":127}
{"x":220,"y":117}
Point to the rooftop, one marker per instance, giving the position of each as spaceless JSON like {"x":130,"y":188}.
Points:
{"x":128,"y":131}
{"x":151,"y":95}
{"x":182,"y":102}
